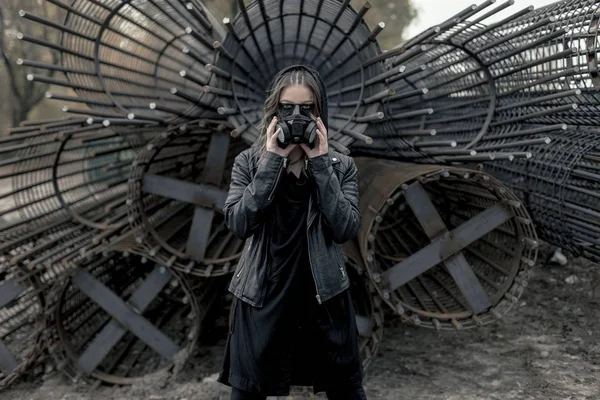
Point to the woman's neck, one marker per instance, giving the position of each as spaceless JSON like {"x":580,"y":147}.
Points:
{"x":295,"y":159}
{"x":296,"y":155}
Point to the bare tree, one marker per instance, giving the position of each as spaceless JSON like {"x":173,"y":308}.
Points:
{"x":221,"y":9}
{"x":234,"y":7}
{"x":397,"y":15}
{"x":25,"y":94}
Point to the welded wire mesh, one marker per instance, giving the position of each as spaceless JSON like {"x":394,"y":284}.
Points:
{"x":121,"y":56}
{"x":560,"y":186}
{"x":469,"y":80}
{"x":21,"y":321}
{"x":65,"y":182}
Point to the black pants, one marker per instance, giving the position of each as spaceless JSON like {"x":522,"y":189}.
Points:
{"x":335,"y":394}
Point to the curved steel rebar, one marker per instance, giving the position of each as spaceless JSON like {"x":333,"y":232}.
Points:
{"x":367,"y":305}
{"x":560,"y":186}
{"x":121,"y":57}
{"x":91,"y":341}
{"x":447,"y":248}
{"x":22,"y":323}
{"x":159,"y":228}
{"x":469,"y":82}
{"x":328,"y":35}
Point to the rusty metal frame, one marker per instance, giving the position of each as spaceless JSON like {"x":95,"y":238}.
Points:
{"x":9,"y":290}
{"x":456,"y":263}
{"x":114,"y":331}
{"x":206,"y":197}
{"x":22,"y":288}
{"x":126,"y":314}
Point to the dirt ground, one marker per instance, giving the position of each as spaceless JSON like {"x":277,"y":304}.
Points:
{"x":546,"y":348}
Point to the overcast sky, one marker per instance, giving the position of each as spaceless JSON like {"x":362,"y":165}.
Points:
{"x":432,"y":12}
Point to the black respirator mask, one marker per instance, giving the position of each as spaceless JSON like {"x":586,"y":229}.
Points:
{"x":295,"y":125}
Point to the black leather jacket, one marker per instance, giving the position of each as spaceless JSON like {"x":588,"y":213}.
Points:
{"x":333,"y":218}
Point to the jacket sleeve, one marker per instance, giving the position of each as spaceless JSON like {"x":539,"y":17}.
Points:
{"x":338,"y":201}
{"x":248,"y":196}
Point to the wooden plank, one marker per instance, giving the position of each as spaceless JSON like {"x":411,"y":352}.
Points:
{"x":199,"y":235}
{"x":447,"y":245}
{"x":468,"y":284}
{"x":216,"y":158}
{"x":458,"y":267}
{"x":124,"y":314}
{"x":426,"y":213}
{"x":113,"y":332}
{"x":9,"y":290}
{"x":206,"y":196}
{"x":7,"y":362}
{"x":150,"y":288}
{"x":364,"y":325}
{"x":194,"y":193}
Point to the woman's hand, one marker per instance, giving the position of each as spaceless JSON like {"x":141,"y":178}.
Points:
{"x":321,"y":145}
{"x":272,"y":141}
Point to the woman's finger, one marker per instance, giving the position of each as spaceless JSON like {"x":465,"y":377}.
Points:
{"x":323,"y":145}
{"x":321,"y":125}
{"x":321,"y":135}
{"x":273,"y":137}
{"x":317,"y":138}
{"x":271,"y":127}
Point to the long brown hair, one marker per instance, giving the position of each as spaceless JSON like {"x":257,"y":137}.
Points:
{"x":296,"y":76}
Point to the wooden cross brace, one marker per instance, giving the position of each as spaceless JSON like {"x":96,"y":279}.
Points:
{"x":9,"y":291}
{"x":127,"y":316}
{"x":206,"y":197}
{"x":446,"y":246}
{"x":364,"y":325}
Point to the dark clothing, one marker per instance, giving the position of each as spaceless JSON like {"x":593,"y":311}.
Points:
{"x":238,"y":394}
{"x":333,"y":218}
{"x":288,"y":248}
{"x":333,"y":213}
{"x":333,"y":394}
{"x":293,"y":322}
{"x":291,"y":339}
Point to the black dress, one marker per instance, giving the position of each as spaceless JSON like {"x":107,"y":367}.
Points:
{"x":292,"y":340}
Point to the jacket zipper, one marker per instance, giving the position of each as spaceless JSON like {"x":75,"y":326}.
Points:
{"x":240,"y":273}
{"x":277,"y":180}
{"x":312,"y":217}
{"x":342,"y":263}
{"x":241,"y":269}
{"x":244,"y":261}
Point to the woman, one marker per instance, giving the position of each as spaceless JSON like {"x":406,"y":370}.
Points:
{"x":293,"y":321}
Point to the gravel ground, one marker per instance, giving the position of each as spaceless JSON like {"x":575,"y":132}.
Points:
{"x":546,"y":348}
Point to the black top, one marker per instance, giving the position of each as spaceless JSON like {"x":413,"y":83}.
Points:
{"x":288,"y":238}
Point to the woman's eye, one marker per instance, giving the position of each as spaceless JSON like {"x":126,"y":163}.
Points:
{"x":287,"y":106}
{"x":307,"y":107}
